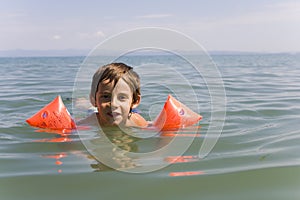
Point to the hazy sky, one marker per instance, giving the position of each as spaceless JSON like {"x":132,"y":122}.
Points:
{"x":244,"y":25}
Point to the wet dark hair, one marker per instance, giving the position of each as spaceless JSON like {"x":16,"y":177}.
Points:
{"x":113,"y":73}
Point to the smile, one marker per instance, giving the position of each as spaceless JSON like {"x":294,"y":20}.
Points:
{"x":113,"y":114}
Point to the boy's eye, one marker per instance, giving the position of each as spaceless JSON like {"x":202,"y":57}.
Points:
{"x":105,"y":96}
{"x":122,"y":97}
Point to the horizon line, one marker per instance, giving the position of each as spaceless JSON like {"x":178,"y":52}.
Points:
{"x":84,"y":52}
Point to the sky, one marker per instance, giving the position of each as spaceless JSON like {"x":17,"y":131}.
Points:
{"x":218,"y":25}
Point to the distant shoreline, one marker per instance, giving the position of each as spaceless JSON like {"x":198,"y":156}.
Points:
{"x":85,"y":52}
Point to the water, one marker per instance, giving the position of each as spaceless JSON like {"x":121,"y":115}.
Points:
{"x":256,"y":157}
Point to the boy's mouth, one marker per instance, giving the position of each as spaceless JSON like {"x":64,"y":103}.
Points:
{"x":113,"y":114}
{"x":109,"y":114}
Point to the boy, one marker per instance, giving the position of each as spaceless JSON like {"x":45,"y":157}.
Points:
{"x":115,"y":91}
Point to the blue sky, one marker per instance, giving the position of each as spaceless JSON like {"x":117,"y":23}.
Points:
{"x":235,"y":25}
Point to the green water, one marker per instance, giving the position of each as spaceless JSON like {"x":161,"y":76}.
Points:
{"x":256,"y":156}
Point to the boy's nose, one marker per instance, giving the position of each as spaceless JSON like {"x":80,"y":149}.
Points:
{"x":114,"y":102}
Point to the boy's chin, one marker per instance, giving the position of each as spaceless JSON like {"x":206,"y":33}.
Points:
{"x":115,"y":124}
{"x":111,"y":122}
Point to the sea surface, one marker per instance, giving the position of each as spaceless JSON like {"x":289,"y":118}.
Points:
{"x":256,"y":156}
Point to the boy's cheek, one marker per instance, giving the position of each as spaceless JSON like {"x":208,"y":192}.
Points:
{"x":103,"y":105}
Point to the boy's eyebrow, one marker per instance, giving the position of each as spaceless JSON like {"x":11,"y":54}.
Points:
{"x":105,"y":92}
{"x":105,"y":89}
{"x":125,"y":94}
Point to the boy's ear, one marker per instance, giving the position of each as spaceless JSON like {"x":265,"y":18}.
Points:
{"x":137,"y":102}
{"x":93,"y":100}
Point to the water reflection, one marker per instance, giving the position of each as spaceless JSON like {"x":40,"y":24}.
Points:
{"x":61,"y":135}
{"x":182,"y":159}
{"x":129,"y":150}
{"x":112,"y":147}
{"x":57,"y":157}
{"x":186,"y":173}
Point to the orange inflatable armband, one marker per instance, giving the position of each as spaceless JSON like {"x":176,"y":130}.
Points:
{"x":175,"y":115}
{"x":139,"y":120}
{"x":53,"y":116}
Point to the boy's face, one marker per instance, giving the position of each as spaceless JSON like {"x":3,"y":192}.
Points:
{"x":113,"y":104}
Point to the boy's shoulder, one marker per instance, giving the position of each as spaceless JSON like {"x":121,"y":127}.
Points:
{"x":91,"y":119}
{"x":138,"y":120}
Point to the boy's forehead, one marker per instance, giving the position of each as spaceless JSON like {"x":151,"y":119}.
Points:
{"x":106,"y":82}
{"x":123,"y":86}
{"x":106,"y":85}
